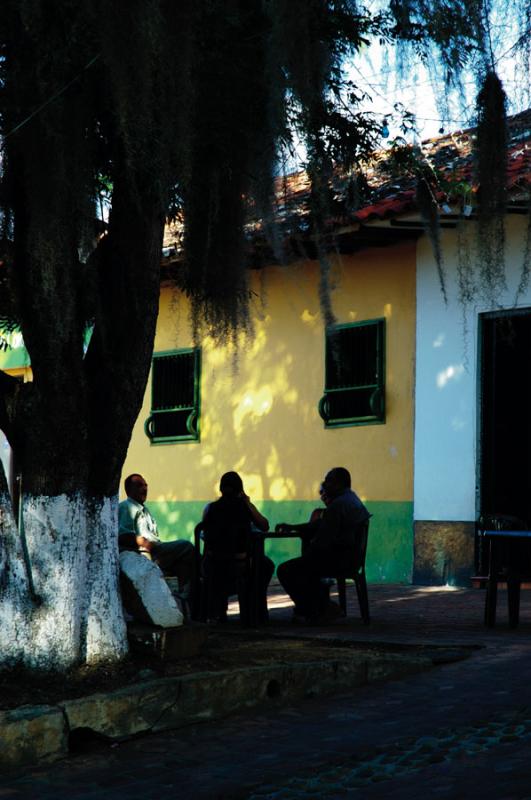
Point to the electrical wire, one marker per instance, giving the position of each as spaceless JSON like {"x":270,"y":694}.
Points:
{"x":50,"y":99}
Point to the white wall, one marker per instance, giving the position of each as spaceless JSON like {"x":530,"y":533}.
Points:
{"x":446,"y":380}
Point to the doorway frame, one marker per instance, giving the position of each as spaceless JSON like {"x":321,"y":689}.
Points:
{"x":483,"y":318}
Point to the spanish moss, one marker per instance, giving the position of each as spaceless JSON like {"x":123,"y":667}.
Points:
{"x":491,"y":164}
{"x":429,"y":210}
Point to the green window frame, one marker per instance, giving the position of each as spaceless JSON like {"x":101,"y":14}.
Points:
{"x":175,"y":396}
{"x":354,"y":392}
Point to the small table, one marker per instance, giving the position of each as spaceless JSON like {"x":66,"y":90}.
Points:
{"x":514,"y":575}
{"x":258,"y":603}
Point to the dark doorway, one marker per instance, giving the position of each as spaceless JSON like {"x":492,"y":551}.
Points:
{"x":505,"y":427}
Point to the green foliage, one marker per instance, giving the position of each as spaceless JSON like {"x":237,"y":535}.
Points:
{"x":192,"y":104}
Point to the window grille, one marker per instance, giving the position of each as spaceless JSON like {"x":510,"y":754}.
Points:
{"x":354,"y":391}
{"x":174,"y":397}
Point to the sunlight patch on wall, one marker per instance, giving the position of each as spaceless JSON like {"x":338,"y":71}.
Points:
{"x":451,"y":373}
{"x":248,"y":346}
{"x":252,"y":406}
{"x":253,"y":347}
{"x":206,"y":426}
{"x":252,"y":484}
{"x":282,"y":489}
{"x":388,"y":310}
{"x":439,"y":341}
{"x":217,"y":356}
{"x":307,"y":316}
{"x":353,"y":316}
{"x":291,"y":398}
{"x":272,"y":465}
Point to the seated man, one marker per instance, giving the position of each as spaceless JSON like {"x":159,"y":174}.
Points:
{"x":227,"y":525}
{"x":138,"y":530}
{"x":328,"y":548}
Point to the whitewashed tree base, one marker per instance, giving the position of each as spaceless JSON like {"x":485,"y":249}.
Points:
{"x":76,"y":614}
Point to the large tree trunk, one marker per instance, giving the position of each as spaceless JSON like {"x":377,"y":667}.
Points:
{"x":59,"y":600}
{"x":59,"y":589}
{"x":70,"y":427}
{"x":71,"y":609}
{"x":15,"y":601}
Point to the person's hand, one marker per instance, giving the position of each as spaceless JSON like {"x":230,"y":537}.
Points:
{"x":144,"y":544}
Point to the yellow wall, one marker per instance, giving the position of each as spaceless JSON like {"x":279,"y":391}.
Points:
{"x":263,"y":420}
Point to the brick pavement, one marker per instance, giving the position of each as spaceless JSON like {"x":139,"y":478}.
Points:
{"x":460,"y":730}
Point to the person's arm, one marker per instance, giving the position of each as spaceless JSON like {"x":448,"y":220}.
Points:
{"x":258,"y":519}
{"x":286,"y":527}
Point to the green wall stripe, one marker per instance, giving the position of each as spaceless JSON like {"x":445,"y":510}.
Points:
{"x":390,"y":550}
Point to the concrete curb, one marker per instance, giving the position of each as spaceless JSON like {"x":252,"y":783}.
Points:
{"x":31,"y":734}
{"x":41,"y":733}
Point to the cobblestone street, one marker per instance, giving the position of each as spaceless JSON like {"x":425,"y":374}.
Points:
{"x":462,"y":729}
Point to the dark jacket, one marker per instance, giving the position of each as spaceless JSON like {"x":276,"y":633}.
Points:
{"x":336,"y":530}
{"x":226,"y":527}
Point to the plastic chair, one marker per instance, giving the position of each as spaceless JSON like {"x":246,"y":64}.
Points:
{"x":210,"y":603}
{"x":357,"y":575}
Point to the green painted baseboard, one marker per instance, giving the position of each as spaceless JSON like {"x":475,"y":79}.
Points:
{"x":390,"y":550}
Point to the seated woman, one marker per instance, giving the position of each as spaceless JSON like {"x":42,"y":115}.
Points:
{"x":227,"y":525}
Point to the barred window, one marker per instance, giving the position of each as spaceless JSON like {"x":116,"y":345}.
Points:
{"x":354,"y":390}
{"x":175,"y":379}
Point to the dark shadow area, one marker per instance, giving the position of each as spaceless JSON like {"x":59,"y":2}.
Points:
{"x":274,"y":689}
{"x":85,"y":740}
{"x":505,"y":474}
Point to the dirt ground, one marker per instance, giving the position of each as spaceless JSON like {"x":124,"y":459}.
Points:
{"x":221,"y":651}
{"x":227,"y":648}
{"x":403,"y":617}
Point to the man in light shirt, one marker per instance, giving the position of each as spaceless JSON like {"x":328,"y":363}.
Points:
{"x":138,"y":530}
